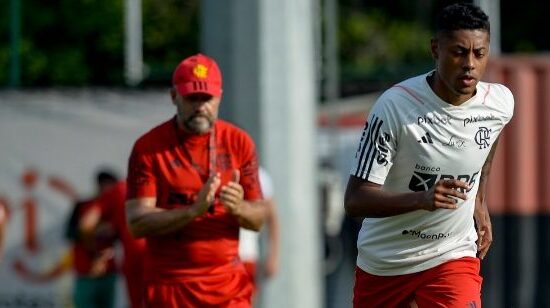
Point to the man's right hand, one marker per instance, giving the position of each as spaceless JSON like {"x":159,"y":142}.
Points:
{"x":444,"y":195}
{"x":207,"y":194}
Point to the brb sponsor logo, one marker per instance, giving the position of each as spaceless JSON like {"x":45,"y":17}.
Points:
{"x":423,"y":181}
{"x":425,"y":235}
{"x":433,"y":119}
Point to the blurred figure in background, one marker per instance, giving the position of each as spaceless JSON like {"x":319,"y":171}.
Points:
{"x":192,"y":183}
{"x":93,"y":253}
{"x":420,"y":174}
{"x":109,"y":207}
{"x":261,"y":268}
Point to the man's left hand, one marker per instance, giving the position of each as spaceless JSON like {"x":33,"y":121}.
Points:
{"x":231,"y":194}
{"x":484,"y":229}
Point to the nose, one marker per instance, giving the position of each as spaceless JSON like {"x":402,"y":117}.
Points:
{"x":199,"y":105}
{"x":468,"y":63}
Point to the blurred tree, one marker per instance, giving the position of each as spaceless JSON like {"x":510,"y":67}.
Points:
{"x":81,"y":42}
{"x":170,"y":33}
{"x":377,"y":49}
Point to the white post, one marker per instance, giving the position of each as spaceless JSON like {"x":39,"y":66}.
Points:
{"x":492,"y":8}
{"x":288,"y":115}
{"x":133,"y":41}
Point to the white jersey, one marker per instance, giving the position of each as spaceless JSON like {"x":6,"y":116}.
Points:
{"x":411,"y":140}
{"x":248,"y":239}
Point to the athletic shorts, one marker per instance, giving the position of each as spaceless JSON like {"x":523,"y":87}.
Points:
{"x":231,"y":290}
{"x":452,"y":284}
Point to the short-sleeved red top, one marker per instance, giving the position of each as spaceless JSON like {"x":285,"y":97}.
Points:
{"x":83,"y":256}
{"x":172,"y":166}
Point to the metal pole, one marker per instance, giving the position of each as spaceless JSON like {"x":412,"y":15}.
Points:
{"x":492,"y":8}
{"x":15,"y":38}
{"x":133,"y":45}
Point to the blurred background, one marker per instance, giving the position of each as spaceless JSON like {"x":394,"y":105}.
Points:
{"x":80,"y":80}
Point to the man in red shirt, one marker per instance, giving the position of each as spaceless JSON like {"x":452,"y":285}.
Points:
{"x":192,"y":182}
{"x":93,"y":253}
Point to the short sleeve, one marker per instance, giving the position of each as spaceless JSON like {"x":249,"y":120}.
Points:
{"x":141,"y":179}
{"x":377,"y":146}
{"x":249,"y":170}
{"x":509,"y":104}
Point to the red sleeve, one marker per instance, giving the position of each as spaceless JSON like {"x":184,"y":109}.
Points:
{"x":249,"y":170}
{"x":141,"y":178}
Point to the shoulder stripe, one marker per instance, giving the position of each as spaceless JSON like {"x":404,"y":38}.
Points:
{"x":367,"y":153}
{"x":373,"y":155}
{"x":410,"y":92}
{"x":362,"y":147}
{"x":486,"y":93}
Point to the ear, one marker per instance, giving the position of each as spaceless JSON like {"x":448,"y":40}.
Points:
{"x":434,"y":44}
{"x":173,"y":95}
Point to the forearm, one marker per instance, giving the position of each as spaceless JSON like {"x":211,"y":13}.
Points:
{"x":484,"y":175}
{"x":251,"y":214}
{"x":157,"y":221}
{"x":273,"y":234}
{"x":379,"y":203}
{"x":2,"y":235}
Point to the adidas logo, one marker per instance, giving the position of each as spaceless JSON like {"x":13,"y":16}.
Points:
{"x":426,"y":139}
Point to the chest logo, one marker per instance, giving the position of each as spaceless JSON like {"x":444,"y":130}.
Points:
{"x":482,"y":137}
{"x":427,"y":138}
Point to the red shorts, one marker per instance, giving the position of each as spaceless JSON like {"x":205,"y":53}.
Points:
{"x":231,"y":290}
{"x":455,"y":283}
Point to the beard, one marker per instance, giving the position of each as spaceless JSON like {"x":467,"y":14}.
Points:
{"x":199,"y":124}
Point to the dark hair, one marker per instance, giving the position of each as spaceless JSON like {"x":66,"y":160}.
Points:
{"x":462,"y":16}
{"x":106,"y":175}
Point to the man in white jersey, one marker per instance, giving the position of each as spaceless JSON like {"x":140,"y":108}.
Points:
{"x":420,"y":173}
{"x":249,"y":250}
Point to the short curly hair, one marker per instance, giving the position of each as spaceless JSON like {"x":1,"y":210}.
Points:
{"x":462,"y":16}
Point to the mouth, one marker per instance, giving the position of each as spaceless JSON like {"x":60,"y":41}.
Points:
{"x":467,"y":80}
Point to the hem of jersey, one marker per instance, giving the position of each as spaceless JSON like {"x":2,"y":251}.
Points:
{"x":371,"y":178}
{"x":174,"y":276}
{"x":414,"y":269}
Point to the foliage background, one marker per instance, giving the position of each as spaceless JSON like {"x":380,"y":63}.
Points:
{"x":80,"y":42}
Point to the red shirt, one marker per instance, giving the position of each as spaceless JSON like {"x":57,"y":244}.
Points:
{"x":112,"y":209}
{"x":83,"y":255}
{"x":172,"y":166}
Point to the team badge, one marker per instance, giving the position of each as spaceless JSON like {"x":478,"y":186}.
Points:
{"x":482,"y":137}
{"x":200,"y":71}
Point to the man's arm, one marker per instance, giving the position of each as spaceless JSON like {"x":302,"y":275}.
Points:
{"x":251,"y":214}
{"x":367,"y":199}
{"x":272,"y":220}
{"x":481,"y":213}
{"x":3,"y":220}
{"x":145,"y":219}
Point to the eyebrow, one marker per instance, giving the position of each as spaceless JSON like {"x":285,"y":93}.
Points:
{"x":467,"y":48}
